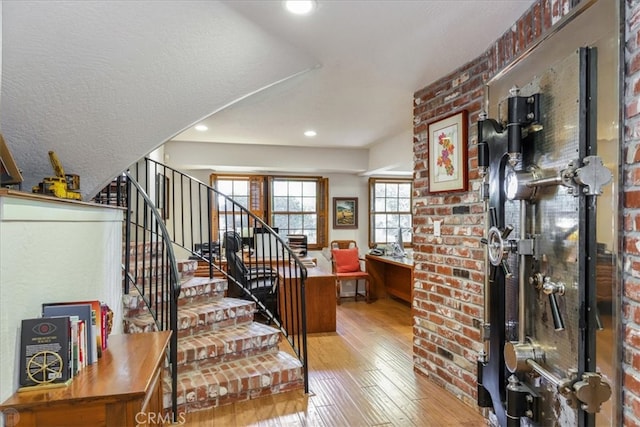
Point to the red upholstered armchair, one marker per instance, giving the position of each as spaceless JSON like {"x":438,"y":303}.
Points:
{"x":346,"y":265}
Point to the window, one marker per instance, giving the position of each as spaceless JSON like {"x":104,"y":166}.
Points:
{"x":295,"y":205}
{"x":299,"y":206}
{"x":246,"y":191}
{"x":390,"y":211}
{"x":238,"y":190}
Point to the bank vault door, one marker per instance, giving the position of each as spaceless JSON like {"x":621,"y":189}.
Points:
{"x":541,"y":179}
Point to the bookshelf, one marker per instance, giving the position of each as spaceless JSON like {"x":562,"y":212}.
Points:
{"x":124,"y":388}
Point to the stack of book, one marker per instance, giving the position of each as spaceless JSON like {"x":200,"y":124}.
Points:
{"x":306,"y":261}
{"x":298,"y":244}
{"x":57,"y":346}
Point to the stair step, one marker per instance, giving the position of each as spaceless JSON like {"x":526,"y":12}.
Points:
{"x":196,"y":289}
{"x":134,"y":304}
{"x":139,"y":251}
{"x":214,"y":315}
{"x":153,"y":279}
{"x":235,"y":381}
{"x":203,"y":350}
{"x":198,"y":317}
{"x":142,"y":248}
{"x":203,"y":269}
{"x":185,"y":266}
{"x":199,"y":289}
{"x":138,"y":324}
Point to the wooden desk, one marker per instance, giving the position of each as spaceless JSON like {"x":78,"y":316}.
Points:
{"x":320,"y":299}
{"x":390,"y":276}
{"x":124,"y":388}
{"x":252,"y":261}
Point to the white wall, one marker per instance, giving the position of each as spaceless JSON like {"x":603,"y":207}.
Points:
{"x":343,"y":185}
{"x":265,"y":158}
{"x":53,"y":251}
{"x":392,"y":156}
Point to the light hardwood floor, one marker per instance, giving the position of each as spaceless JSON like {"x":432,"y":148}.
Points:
{"x":362,"y":375}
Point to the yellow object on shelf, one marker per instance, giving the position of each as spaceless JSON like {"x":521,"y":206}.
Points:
{"x":64,"y":186}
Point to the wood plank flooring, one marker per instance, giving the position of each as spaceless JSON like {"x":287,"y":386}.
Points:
{"x":362,"y":375}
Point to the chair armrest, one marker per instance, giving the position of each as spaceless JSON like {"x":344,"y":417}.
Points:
{"x":261,"y":273}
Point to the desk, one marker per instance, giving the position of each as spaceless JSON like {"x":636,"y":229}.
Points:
{"x":126,"y":381}
{"x":320,"y":298}
{"x":390,"y":276}
{"x":252,"y":261}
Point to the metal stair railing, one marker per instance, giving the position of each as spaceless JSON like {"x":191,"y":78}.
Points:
{"x":197,"y":217}
{"x":149,"y":264}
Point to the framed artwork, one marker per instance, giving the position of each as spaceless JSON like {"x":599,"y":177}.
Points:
{"x":9,"y":172}
{"x":448,"y":153}
{"x":162,"y":195}
{"x":345,"y":212}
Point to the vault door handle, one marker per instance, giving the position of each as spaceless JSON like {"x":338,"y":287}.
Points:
{"x":552,"y":289}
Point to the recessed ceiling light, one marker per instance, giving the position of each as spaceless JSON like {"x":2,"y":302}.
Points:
{"x":300,"y":7}
{"x":310,"y":133}
{"x":201,"y":128}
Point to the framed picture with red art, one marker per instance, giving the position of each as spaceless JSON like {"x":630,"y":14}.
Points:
{"x":448,"y":153}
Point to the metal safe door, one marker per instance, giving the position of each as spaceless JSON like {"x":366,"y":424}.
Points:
{"x":542,"y":179}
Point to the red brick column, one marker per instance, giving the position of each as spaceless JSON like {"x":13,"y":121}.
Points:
{"x":631,"y":211}
{"x":449,"y":270}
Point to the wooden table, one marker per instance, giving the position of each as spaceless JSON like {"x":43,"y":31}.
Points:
{"x":124,"y":388}
{"x":320,"y":298}
{"x":390,"y":276}
{"x":251,"y":260}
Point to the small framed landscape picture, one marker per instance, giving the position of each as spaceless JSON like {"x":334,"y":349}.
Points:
{"x":345,"y":212}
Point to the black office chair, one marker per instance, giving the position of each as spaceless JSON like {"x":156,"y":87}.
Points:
{"x":261,"y":282}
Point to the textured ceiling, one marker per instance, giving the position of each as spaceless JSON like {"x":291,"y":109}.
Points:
{"x":105,"y":83}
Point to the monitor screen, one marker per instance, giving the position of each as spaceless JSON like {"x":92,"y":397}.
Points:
{"x":258,"y":237}
{"x":262,"y":230}
{"x":265,"y":246}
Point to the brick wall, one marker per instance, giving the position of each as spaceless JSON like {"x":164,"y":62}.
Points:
{"x":631,"y":213}
{"x":449,"y":270}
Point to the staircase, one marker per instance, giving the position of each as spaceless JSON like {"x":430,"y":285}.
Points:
{"x":224,"y":356}
{"x":218,"y":354}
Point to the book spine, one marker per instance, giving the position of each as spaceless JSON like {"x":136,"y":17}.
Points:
{"x":83,"y":344}
{"x":75,"y":346}
{"x":94,"y":329}
{"x":104,"y":310}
